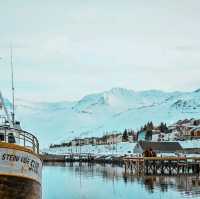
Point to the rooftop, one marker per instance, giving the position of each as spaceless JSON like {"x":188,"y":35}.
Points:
{"x":160,"y":146}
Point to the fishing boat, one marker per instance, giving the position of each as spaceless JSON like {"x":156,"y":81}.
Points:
{"x":20,"y":163}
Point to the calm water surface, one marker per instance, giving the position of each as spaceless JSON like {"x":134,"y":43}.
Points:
{"x":67,"y":181}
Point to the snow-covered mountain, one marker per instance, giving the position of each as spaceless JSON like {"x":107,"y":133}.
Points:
{"x":112,"y":110}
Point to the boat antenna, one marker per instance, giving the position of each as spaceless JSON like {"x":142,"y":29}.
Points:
{"x":13,"y":88}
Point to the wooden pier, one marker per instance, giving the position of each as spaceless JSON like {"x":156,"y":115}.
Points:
{"x":162,"y":165}
{"x":91,"y":158}
{"x":137,"y":165}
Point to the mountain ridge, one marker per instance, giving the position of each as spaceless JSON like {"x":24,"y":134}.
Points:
{"x":111,"y":110}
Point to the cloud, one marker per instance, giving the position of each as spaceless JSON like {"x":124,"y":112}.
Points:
{"x":77,"y":47}
{"x":189,"y":48}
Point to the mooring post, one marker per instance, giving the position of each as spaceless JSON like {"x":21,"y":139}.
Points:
{"x":178,"y":164}
{"x":131,"y":165}
{"x":146,"y":167}
{"x":154,"y":167}
{"x":125,"y":166}
{"x":161,"y":165}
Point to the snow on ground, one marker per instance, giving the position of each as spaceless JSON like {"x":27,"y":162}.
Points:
{"x":165,"y":137}
{"x":123,"y":148}
{"x":190,"y":143}
{"x":116,"y":149}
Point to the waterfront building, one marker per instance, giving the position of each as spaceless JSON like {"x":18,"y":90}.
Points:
{"x":158,"y":147}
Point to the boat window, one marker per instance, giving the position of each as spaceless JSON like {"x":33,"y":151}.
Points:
{"x":11,"y":138}
{"x":2,"y":138}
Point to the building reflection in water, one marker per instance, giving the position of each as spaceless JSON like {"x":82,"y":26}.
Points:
{"x":187,"y":185}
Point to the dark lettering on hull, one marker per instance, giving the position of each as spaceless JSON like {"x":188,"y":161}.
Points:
{"x":32,"y":164}
{"x":10,"y":157}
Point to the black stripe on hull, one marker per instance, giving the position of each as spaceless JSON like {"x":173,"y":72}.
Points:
{"x":12,"y":187}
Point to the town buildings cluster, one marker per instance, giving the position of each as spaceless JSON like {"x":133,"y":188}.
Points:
{"x":109,"y":138}
{"x":181,"y":130}
{"x":186,"y":129}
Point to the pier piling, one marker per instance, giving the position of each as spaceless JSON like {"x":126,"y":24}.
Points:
{"x":162,"y":165}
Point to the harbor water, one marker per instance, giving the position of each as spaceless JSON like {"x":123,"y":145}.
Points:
{"x":89,"y":181}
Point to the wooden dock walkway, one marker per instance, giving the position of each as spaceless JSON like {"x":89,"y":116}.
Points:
{"x":162,"y":165}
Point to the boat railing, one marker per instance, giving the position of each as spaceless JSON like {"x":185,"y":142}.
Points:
{"x":19,"y":137}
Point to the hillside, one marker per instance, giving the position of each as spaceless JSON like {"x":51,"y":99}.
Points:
{"x":112,"y":110}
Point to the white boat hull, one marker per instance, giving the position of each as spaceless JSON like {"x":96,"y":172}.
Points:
{"x":20,"y":170}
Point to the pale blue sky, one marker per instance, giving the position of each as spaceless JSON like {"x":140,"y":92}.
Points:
{"x":65,"y":49}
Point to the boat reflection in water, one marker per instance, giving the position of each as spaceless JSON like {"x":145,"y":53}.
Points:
{"x":182,"y":185}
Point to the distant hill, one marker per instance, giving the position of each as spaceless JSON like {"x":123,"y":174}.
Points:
{"x":112,"y":110}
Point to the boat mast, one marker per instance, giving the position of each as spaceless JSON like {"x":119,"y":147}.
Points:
{"x":13,"y":88}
